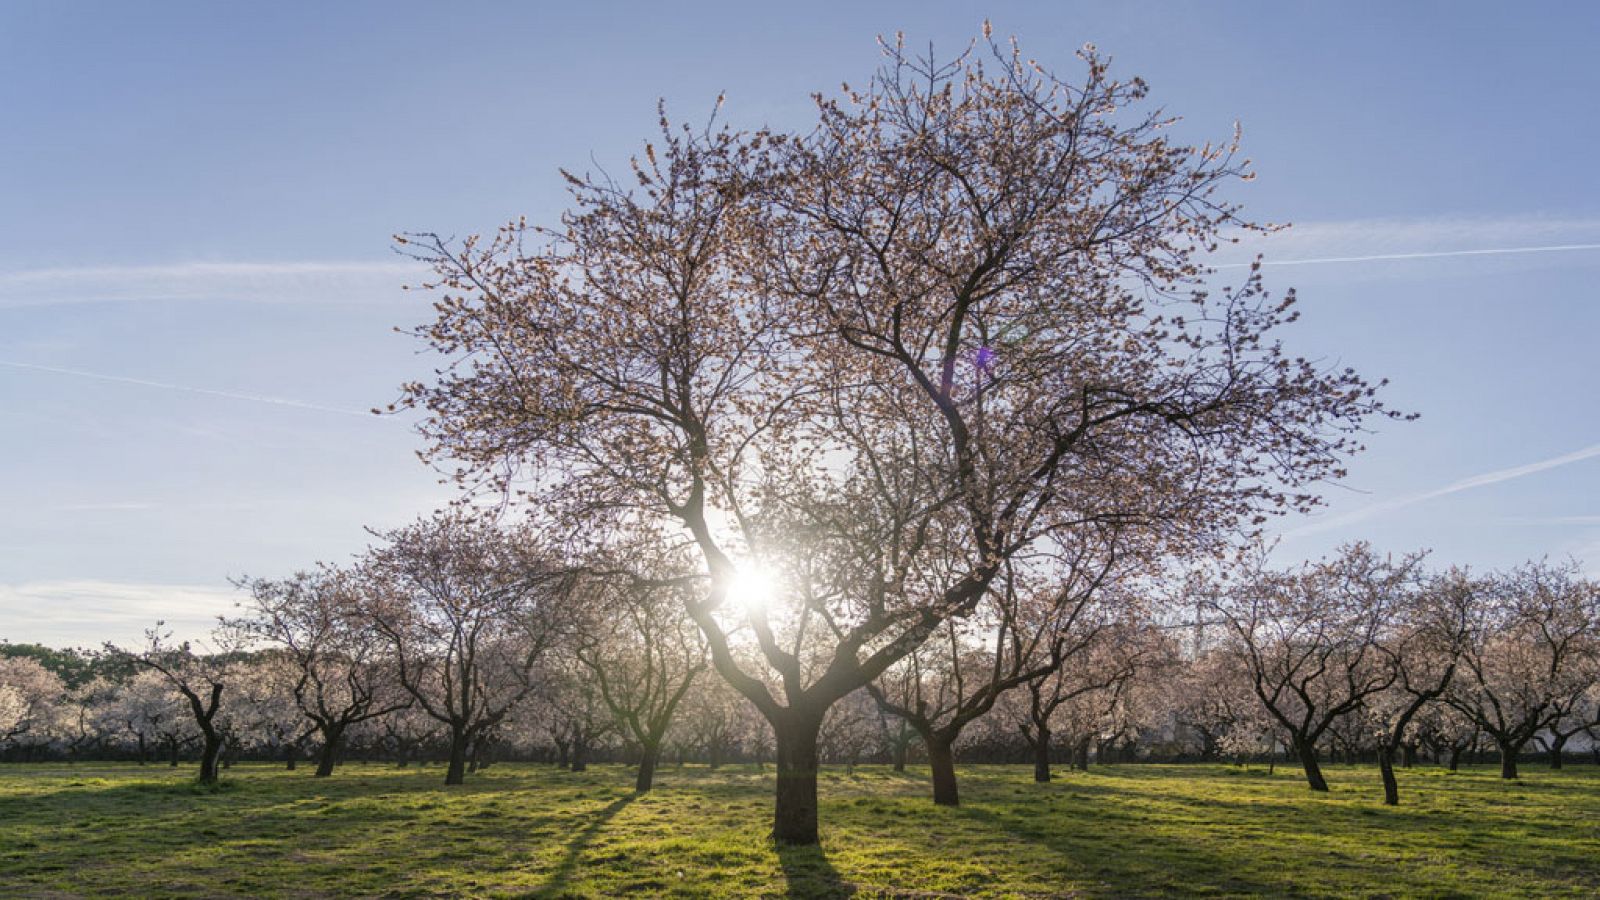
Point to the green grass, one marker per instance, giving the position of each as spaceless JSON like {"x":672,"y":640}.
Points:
{"x":533,"y":831}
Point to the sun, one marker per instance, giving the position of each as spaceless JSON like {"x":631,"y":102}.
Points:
{"x":753,"y":588}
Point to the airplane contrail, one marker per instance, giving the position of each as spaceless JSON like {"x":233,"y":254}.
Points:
{"x":1427,"y":254}
{"x":1465,"y":484}
{"x":187,"y":389}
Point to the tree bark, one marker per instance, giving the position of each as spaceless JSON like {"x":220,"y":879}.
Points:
{"x":1307,"y":752}
{"x":794,"y":817}
{"x":942,"y":760}
{"x":649,"y":756}
{"x":1041,"y":756}
{"x":1391,"y":788}
{"x":457,"y":771}
{"x":208,"y":758}
{"x":1508,"y":760}
{"x":1455,"y":758}
{"x":1080,"y":755}
{"x":332,"y":740}
{"x":902,"y":749}
{"x":1558,"y":742}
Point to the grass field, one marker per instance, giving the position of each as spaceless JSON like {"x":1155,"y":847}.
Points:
{"x":535,"y":831}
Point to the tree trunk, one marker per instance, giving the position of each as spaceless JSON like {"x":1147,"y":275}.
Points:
{"x":1391,"y":788}
{"x":1080,"y":755}
{"x":942,"y":760}
{"x":1408,"y":755}
{"x":563,"y":756}
{"x":457,"y":772}
{"x":1556,"y":744}
{"x":794,"y":815}
{"x":173,"y":744}
{"x":208,"y":758}
{"x":648,"y":757}
{"x":1307,"y":752}
{"x":1041,"y":756}
{"x":332,"y":743}
{"x":902,"y":750}
{"x":1455,"y":758}
{"x":1508,"y":760}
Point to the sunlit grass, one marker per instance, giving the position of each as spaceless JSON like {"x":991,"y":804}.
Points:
{"x":535,"y":831}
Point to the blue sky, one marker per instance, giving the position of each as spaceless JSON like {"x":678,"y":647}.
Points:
{"x":197,"y":290}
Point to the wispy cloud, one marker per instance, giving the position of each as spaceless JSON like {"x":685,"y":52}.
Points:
{"x":188,"y":389}
{"x":86,"y":613}
{"x":1549,"y":520}
{"x":1455,"y":487}
{"x":1310,"y":243}
{"x":1439,"y":254}
{"x":110,"y":506}
{"x":286,"y":282}
{"x":1391,"y":240}
{"x":185,"y":506}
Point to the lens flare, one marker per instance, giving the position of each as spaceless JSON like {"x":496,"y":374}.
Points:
{"x":754,"y":589}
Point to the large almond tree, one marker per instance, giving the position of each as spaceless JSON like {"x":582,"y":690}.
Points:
{"x":960,"y":319}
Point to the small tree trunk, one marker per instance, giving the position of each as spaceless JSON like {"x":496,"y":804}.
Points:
{"x":208,"y":758}
{"x":1455,"y":758}
{"x":1508,"y":760}
{"x":794,"y":814}
{"x":1408,"y":755}
{"x":580,"y":754}
{"x":1307,"y":752}
{"x":332,"y":742}
{"x":1391,"y":788}
{"x":649,"y":756}
{"x":716,"y":754}
{"x":942,"y":760}
{"x":563,"y":756}
{"x":902,"y":750}
{"x":457,"y":771}
{"x":1556,"y":744}
{"x":1080,"y":755}
{"x":1041,"y":756}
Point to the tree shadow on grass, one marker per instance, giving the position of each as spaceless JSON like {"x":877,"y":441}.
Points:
{"x":562,"y":877}
{"x":809,"y":875}
{"x":1117,"y":860}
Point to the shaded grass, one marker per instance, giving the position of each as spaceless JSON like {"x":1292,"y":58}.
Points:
{"x":526,"y":831}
